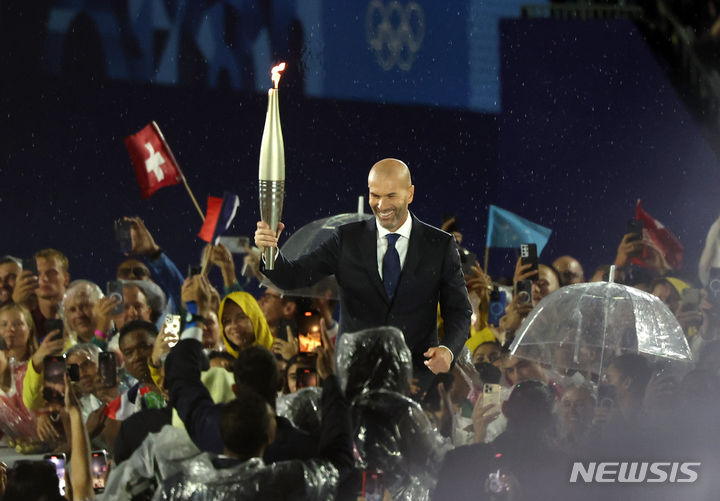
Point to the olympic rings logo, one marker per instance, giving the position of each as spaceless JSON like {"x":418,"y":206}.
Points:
{"x":395,"y":33}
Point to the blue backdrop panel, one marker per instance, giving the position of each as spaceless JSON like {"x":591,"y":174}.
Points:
{"x":407,"y":52}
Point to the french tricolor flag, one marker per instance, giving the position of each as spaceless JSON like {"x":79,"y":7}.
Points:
{"x":126,"y":404}
{"x":220,"y":213}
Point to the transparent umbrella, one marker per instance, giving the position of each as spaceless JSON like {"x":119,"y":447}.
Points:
{"x":583,"y":327}
{"x":307,"y":239}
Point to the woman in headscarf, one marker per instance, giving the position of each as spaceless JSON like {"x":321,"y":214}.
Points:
{"x":243,"y":324}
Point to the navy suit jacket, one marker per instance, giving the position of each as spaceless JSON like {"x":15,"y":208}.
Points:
{"x":431,"y":273}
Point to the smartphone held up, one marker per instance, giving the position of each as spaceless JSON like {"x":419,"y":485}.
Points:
{"x":52,"y":325}
{"x":54,"y":368}
{"x":528,"y":255}
{"x":115,"y":290}
{"x":309,"y":337}
{"x":523,"y":292}
{"x":498,"y":303}
{"x":99,"y":469}
{"x":59,"y":461}
{"x":29,"y":264}
{"x":123,"y":236}
{"x":107,"y":369}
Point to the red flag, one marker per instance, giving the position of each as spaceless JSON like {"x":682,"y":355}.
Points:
{"x":668,"y":244}
{"x":214,"y":205}
{"x":154,"y":163}
{"x":219,"y":216}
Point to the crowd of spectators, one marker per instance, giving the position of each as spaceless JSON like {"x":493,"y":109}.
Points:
{"x":213,"y":395}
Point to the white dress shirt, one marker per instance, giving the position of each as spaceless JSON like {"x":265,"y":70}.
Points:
{"x":401,"y":245}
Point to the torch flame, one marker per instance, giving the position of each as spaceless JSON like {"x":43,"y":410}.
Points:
{"x":276,"y":73}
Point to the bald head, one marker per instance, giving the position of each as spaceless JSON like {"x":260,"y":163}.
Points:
{"x":570,"y":270}
{"x":391,"y":167}
{"x":391,"y":191}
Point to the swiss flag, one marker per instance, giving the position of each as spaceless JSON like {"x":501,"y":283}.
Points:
{"x":668,"y":243}
{"x":155,"y":165}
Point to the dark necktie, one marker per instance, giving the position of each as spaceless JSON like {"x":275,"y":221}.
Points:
{"x":391,"y":265}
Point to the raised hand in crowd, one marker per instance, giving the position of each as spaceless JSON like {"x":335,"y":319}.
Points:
{"x":251,"y":264}
{"x":163,"y":343}
{"x":522,"y":273}
{"x":655,"y":257}
{"x":46,"y":430}
{"x":628,"y":249}
{"x":105,"y":394}
{"x":49,"y":346}
{"x":80,"y":477}
{"x":480,"y":283}
{"x":197,"y":289}
{"x":143,"y":243}
{"x":286,"y":349}
{"x":96,"y":421}
{"x":220,"y":256}
{"x":515,"y":313}
{"x":482,"y":416}
{"x":325,"y":363}
{"x":103,"y":313}
{"x":25,"y":287}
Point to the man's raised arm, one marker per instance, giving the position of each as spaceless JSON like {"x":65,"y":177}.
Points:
{"x":303,"y":271}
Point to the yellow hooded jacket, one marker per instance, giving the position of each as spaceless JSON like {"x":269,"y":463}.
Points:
{"x":263,"y":337}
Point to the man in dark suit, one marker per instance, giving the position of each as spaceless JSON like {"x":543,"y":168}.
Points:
{"x":391,"y":270}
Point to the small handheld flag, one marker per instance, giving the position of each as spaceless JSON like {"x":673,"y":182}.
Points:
{"x":220,"y":213}
{"x":154,"y":162}
{"x":506,"y":229}
{"x":155,"y":166}
{"x":665,"y":241}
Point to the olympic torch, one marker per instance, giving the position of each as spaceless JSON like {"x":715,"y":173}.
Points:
{"x":271,"y":177}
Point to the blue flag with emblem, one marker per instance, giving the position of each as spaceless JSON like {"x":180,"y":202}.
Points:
{"x":506,"y":229}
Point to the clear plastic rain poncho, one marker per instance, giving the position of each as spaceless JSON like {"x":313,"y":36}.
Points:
{"x":16,"y":422}
{"x":466,"y":376}
{"x":373,"y":359}
{"x":583,"y":327}
{"x":464,"y":364}
{"x":303,"y":409}
{"x":168,"y":466}
{"x":253,"y":480}
{"x":392,"y":433}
